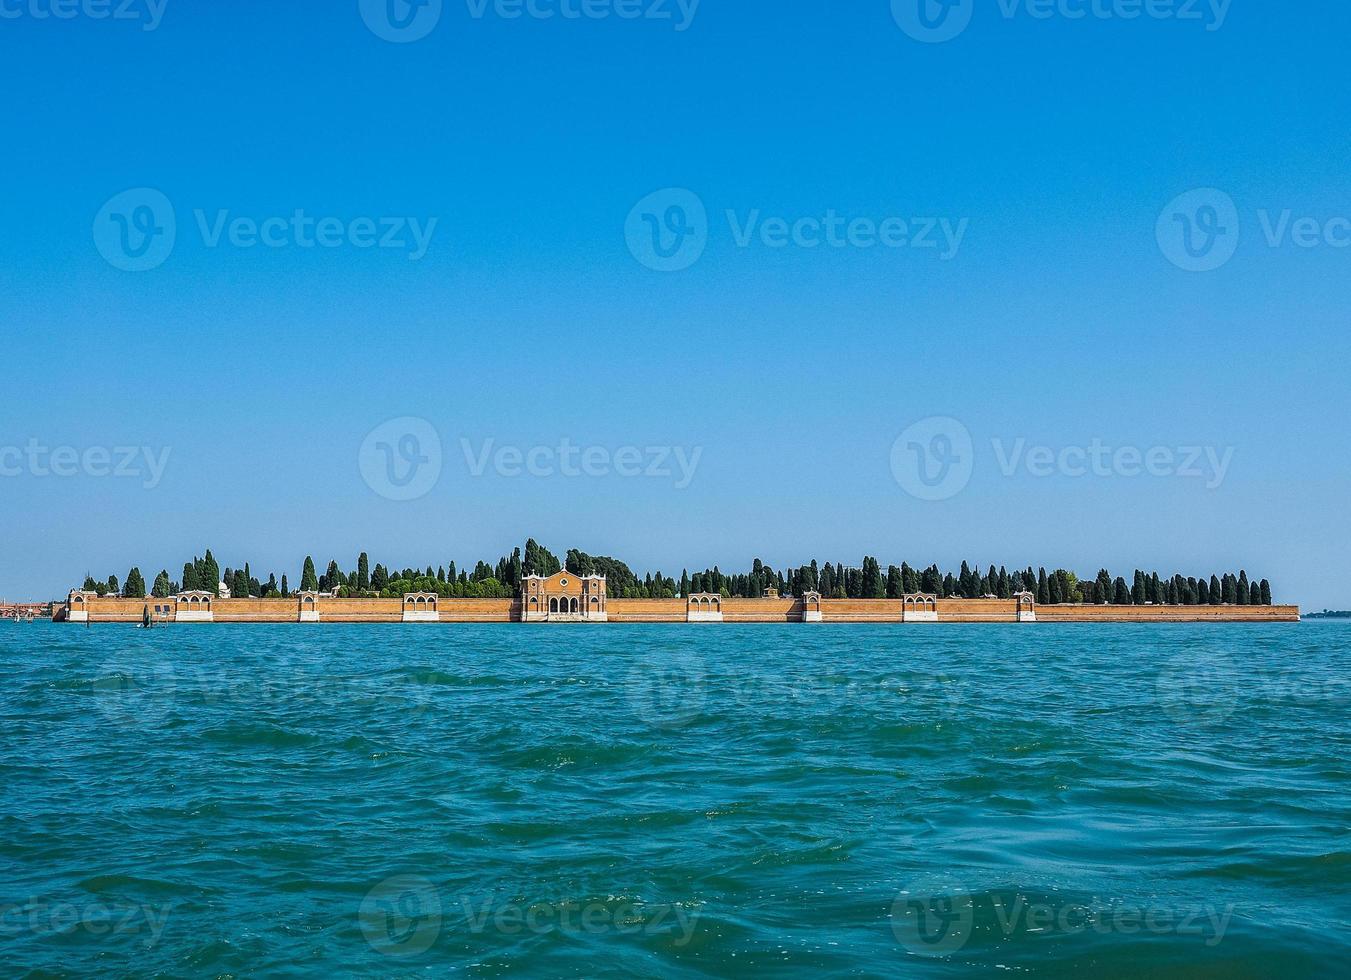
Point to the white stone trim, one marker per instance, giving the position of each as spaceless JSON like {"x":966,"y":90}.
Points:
{"x":196,"y":616}
{"x":410,"y":616}
{"x":77,"y":616}
{"x":703,"y":617}
{"x":309,"y":616}
{"x":812,"y":616}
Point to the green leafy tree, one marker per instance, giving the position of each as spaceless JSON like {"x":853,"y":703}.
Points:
{"x":163,"y":588}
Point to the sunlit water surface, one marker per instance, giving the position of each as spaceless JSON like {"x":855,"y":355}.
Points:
{"x":800,"y":800}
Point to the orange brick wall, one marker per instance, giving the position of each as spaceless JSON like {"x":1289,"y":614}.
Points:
{"x":112,"y":610}
{"x":646,"y":610}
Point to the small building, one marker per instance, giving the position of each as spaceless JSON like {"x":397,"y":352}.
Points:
{"x":194,"y":607}
{"x":421,"y":607}
{"x":308,"y":606}
{"x":919,"y":607}
{"x":77,"y":605}
{"x":703,"y":607}
{"x":564,"y":598}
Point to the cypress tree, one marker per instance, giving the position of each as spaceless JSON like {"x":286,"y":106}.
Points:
{"x":163,"y":587}
{"x":1102,"y":588}
{"x":1264,"y":592}
{"x":1122,"y":594}
{"x":210,"y":574}
{"x":895,"y":584}
{"x":1055,"y":596}
{"x":1043,"y":588}
{"x":364,"y":572}
{"x":190,"y":583}
{"x":135,"y":587}
{"x":309,"y":582}
{"x":285,"y":588}
{"x":1243,"y":591}
{"x":1138,"y":589}
{"x":1216,"y":591}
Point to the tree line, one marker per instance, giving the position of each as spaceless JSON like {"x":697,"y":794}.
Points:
{"x":832,"y":580}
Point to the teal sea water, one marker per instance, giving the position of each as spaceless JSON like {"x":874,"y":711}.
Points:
{"x":720,"y":801}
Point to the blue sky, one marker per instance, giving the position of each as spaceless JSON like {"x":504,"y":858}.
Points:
{"x":1061,"y":320}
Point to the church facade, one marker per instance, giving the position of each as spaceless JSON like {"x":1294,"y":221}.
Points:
{"x":563,"y":598}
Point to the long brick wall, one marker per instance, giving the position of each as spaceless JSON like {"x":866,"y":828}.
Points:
{"x":113,"y":610}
